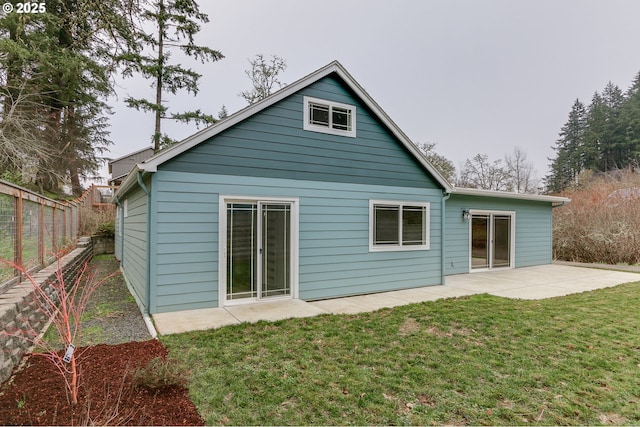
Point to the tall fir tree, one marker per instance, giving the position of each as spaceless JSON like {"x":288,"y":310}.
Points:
{"x":62,"y":60}
{"x":176,"y":24}
{"x":603,"y":137}
{"x":614,"y":151}
{"x":630,"y":118}
{"x":570,"y":150}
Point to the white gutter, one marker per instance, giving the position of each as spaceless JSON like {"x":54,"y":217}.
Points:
{"x":510,"y":195}
{"x":445,"y":197}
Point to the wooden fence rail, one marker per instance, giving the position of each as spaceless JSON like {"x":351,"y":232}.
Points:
{"x":34,"y":228}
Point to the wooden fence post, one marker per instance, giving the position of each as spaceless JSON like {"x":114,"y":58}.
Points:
{"x":17,"y":229}
{"x":41,"y":234}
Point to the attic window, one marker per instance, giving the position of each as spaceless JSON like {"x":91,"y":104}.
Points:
{"x":329,"y":117}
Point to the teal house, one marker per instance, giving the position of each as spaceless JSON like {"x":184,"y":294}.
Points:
{"x":311,"y":193}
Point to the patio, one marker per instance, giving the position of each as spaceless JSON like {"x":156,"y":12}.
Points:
{"x":539,"y":282}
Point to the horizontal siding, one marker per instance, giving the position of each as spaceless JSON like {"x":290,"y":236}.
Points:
{"x":273,"y":144}
{"x":533,"y":230}
{"x":186,"y":248}
{"x":134,"y":257}
{"x":334,"y":257}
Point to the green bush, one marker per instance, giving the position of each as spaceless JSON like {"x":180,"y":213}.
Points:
{"x":106,"y":229}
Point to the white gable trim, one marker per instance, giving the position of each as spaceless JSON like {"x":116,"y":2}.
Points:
{"x":151,"y":165}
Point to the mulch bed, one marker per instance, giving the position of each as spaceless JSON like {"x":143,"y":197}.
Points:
{"x":107,"y":396}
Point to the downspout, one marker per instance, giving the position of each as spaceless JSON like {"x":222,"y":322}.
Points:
{"x":558,"y":206}
{"x":121,"y":228}
{"x":145,"y":311}
{"x":445,"y":197}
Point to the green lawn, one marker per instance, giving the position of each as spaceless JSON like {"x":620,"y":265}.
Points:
{"x":477,"y":360}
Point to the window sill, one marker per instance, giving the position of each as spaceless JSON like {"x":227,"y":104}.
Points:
{"x":398,"y":248}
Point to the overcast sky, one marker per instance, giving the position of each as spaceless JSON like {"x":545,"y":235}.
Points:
{"x":473,"y":76}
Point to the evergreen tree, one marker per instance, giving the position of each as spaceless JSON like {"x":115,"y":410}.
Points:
{"x":176,"y":23}
{"x":601,"y":138}
{"x":571,"y":152}
{"x":630,"y":118}
{"x":61,"y":61}
{"x":613,"y":150}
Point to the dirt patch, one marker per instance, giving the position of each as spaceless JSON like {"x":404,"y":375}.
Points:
{"x":409,"y":327}
{"x":36,"y":394}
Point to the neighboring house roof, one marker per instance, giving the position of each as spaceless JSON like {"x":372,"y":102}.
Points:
{"x":151,"y":165}
{"x":509,"y":195}
{"x":130,"y":158}
{"x":126,"y":156}
{"x":114,"y":178}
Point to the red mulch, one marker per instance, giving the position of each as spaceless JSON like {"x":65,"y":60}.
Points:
{"x":107,"y":395}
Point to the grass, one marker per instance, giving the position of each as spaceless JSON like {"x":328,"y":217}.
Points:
{"x":475,"y":360}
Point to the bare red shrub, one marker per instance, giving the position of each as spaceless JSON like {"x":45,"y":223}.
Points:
{"x":602,"y":222}
{"x":63,"y":305}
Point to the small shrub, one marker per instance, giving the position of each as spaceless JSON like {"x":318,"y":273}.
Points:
{"x":13,"y":176}
{"x":159,"y":373}
{"x":93,"y":219}
{"x":106,"y":229}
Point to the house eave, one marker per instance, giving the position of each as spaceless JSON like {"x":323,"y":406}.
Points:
{"x":510,"y":195}
{"x":129,"y":182}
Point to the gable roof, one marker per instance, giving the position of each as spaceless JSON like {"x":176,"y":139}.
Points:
{"x":151,"y":165}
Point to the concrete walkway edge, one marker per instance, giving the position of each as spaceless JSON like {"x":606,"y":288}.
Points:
{"x":538,"y":282}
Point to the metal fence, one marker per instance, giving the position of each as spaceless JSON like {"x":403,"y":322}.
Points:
{"x":34,"y":229}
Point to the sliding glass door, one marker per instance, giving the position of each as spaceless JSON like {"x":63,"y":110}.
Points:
{"x":258,"y":250}
{"x":501,"y":250}
{"x":480,"y":241}
{"x":491,"y":240}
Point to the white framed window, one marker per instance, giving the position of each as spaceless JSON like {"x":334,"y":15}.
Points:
{"x":329,"y":117}
{"x":398,"y":226}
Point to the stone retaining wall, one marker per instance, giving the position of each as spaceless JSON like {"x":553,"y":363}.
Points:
{"x":102,"y":244}
{"x":19,"y":309}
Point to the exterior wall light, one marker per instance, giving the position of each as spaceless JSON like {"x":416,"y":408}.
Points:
{"x":465,"y":214}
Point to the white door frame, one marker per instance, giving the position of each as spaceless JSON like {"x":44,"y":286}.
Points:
{"x":512,"y":238}
{"x":222,"y":246}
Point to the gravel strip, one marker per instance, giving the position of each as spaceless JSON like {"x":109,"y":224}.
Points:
{"x":112,"y":315}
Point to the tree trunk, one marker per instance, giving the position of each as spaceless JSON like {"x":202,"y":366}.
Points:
{"x":157,"y":134}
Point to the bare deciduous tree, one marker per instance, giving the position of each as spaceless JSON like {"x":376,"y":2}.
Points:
{"x":264,"y":77}
{"x":22,"y":123}
{"x":444,"y":165}
{"x":478,"y":172}
{"x":520,"y":172}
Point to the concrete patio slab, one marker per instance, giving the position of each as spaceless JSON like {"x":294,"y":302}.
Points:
{"x":531,"y":283}
{"x":539,"y":282}
{"x":273,"y":310}
{"x":192,"y":320}
{"x":340,"y":306}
